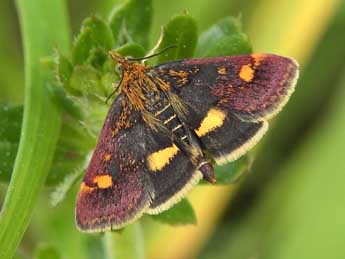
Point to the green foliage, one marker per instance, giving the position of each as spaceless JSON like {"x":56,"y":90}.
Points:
{"x":64,"y":187}
{"x":125,"y":244}
{"x":45,"y":251}
{"x":60,"y":97}
{"x":131,"y":22}
{"x":232,"y":172}
{"x":73,"y":145}
{"x":131,"y":49}
{"x":180,"y":214}
{"x":94,"y":34}
{"x":64,"y":67}
{"x":10,"y":124}
{"x":85,"y":80}
{"x":224,"y":38}
{"x":181,"y":31}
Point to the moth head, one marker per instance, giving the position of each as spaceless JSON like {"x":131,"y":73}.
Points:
{"x":122,"y":62}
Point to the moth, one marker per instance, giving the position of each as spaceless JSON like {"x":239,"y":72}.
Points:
{"x":169,"y":123}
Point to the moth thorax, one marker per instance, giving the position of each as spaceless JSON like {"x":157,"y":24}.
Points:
{"x":153,"y":97}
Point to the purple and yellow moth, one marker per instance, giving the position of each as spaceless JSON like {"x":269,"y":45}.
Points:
{"x":168,"y":123}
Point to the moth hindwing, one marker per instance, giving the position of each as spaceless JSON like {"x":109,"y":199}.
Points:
{"x":166,"y":125}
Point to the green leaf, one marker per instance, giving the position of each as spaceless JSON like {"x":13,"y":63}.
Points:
{"x":181,"y":31}
{"x":131,"y":22}
{"x":224,"y":38}
{"x":85,"y":80}
{"x":73,"y":145}
{"x":233,"y":171}
{"x":10,"y":122}
{"x":45,"y":251}
{"x":10,"y":126}
{"x":63,"y":188}
{"x":94,"y":34}
{"x":108,"y":80}
{"x":101,"y":32}
{"x":131,"y":49}
{"x":64,"y":68}
{"x":8,"y":152}
{"x":97,"y":57}
{"x":59,"y":96}
{"x":65,"y":163}
{"x":48,"y":62}
{"x":181,"y":214}
{"x":94,"y":247}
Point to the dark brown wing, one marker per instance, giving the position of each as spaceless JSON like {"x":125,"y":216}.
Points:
{"x":229,"y":99}
{"x":171,"y":171}
{"x":116,"y":188}
{"x":134,"y":169}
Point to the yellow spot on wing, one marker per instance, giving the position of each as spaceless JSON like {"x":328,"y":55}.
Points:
{"x":157,"y":160}
{"x":103,"y":181}
{"x":246,"y":73}
{"x":214,"y":119}
{"x":221,"y":70}
{"x":257,"y":59}
{"x":107,"y":157}
{"x":180,"y":73}
{"x":84,"y":188}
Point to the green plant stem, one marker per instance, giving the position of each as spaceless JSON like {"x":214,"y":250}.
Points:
{"x":125,"y":244}
{"x":44,"y":25}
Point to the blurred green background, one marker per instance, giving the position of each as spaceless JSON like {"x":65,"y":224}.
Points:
{"x":292,"y":204}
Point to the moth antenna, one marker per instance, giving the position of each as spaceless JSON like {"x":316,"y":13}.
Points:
{"x":153,"y":55}
{"x":115,"y":89}
{"x":155,"y":48}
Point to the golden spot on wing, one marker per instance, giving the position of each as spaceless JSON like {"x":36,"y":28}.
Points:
{"x":183,"y":75}
{"x":103,"y":181}
{"x":214,"y":119}
{"x":257,"y":59}
{"x":107,"y":157}
{"x":182,"y":81}
{"x":247,"y":73}
{"x":180,"y":73}
{"x":221,"y":70}
{"x":85,"y":188}
{"x":159,"y":159}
